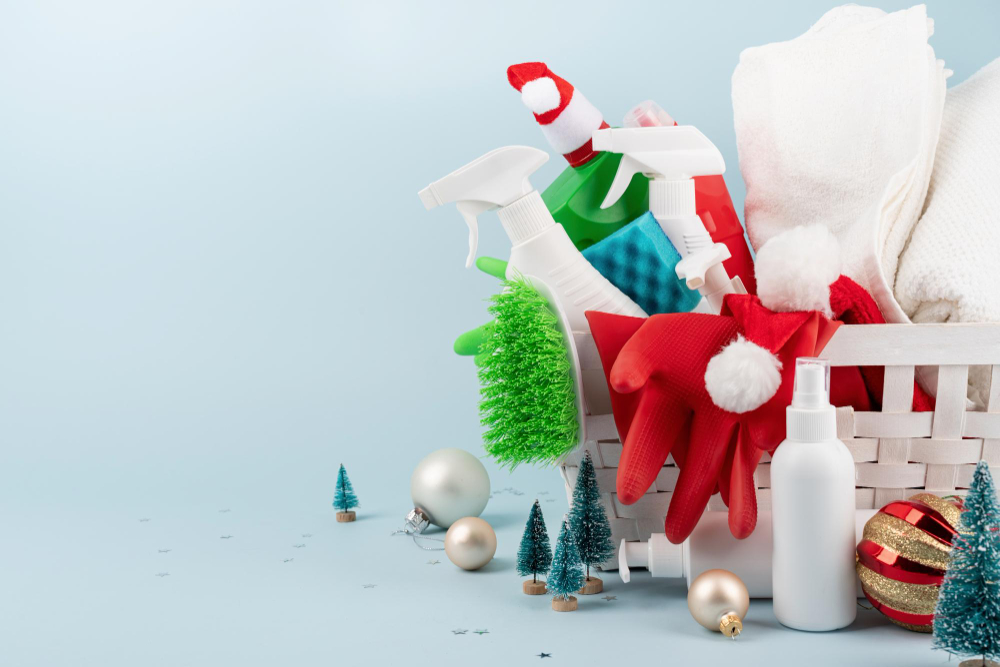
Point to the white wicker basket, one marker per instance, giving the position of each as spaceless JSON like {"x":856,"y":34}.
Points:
{"x":897,"y":452}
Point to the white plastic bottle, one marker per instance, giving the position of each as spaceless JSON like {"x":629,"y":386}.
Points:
{"x":812,"y":511}
{"x":541,"y":248}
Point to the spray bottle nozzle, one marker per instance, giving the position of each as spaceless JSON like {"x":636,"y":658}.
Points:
{"x":812,"y":383}
{"x":493,"y":180}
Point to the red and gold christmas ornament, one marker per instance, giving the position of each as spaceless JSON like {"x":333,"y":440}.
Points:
{"x":903,"y":555}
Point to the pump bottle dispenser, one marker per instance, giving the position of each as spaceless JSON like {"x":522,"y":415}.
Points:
{"x":541,"y":248}
{"x":711,"y":546}
{"x":671,"y":156}
{"x":812,"y":511}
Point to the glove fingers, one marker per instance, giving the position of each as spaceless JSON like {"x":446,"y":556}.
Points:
{"x":710,"y":438}
{"x":743,"y":490}
{"x":656,"y":428}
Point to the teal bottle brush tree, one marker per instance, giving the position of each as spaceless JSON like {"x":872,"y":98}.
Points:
{"x":566,"y":576}
{"x":527,"y":392}
{"x":534,"y":556}
{"x":343,"y":498}
{"x":590,"y":526}
{"x":967,"y":618}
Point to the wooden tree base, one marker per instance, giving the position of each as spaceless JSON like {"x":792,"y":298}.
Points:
{"x":592,"y":586}
{"x":534,"y":588}
{"x":978,"y":662}
{"x":559,"y":604}
{"x":346,"y":517}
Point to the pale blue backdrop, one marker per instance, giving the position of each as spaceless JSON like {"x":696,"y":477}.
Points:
{"x":217,"y":283}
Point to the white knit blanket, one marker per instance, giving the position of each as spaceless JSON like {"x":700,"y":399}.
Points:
{"x":950,"y":269}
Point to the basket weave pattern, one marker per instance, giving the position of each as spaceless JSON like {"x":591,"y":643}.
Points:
{"x":897,"y":452}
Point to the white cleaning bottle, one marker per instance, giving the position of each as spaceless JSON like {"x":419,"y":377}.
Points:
{"x":711,"y":546}
{"x":541,"y":248}
{"x":812,"y":511}
{"x":671,"y":155}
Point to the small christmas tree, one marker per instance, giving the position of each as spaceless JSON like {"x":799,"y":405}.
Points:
{"x":527,"y":397}
{"x":590,"y":523}
{"x":566,"y":576}
{"x":534,"y":556}
{"x":967,"y":618}
{"x":344,"y":498}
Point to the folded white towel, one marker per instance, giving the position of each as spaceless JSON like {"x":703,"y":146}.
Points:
{"x":839,"y":127}
{"x":950,"y":270}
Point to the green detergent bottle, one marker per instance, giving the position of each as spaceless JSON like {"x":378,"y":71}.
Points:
{"x":568,"y":121}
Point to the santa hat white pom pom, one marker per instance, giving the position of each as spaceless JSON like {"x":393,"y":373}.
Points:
{"x":743,"y":377}
{"x":540,"y":95}
{"x":796,"y":268}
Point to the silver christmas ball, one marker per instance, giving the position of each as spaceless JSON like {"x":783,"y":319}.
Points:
{"x":470,"y":543}
{"x":450,"y":484}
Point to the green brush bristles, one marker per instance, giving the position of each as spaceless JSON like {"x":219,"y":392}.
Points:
{"x":527,"y":396}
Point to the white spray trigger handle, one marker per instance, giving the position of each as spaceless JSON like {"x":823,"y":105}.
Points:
{"x":628,"y":168}
{"x":470,"y":210}
{"x":623,"y":570}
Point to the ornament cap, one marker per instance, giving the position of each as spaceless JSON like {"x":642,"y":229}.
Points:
{"x":416,"y":521}
{"x":731,"y":626}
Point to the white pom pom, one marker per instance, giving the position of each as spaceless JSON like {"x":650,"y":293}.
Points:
{"x":796,"y":268}
{"x":540,"y":95}
{"x":743,"y":377}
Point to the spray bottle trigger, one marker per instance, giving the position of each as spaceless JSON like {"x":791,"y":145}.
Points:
{"x":628,"y":168}
{"x":623,"y":570}
{"x":470,"y":210}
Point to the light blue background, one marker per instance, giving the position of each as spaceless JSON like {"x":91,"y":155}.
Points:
{"x":217,"y":283}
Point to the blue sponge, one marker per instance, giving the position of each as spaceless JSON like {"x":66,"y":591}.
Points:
{"x":639,"y":260}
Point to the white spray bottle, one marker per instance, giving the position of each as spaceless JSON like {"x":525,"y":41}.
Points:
{"x":671,"y":155}
{"x":541,"y":248}
{"x":812,"y":511}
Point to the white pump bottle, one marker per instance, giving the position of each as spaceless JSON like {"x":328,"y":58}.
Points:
{"x":671,"y":155}
{"x":812,"y":511}
{"x":541,"y":248}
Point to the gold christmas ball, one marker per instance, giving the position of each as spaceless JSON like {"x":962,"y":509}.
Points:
{"x":903,"y":555}
{"x":470,"y":543}
{"x":719,"y":600}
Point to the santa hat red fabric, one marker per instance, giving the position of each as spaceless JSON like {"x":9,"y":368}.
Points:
{"x":567,"y":118}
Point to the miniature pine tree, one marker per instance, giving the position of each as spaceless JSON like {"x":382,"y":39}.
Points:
{"x":967,"y":618}
{"x":588,"y":519}
{"x":534,"y":556}
{"x":344,"y":498}
{"x":566,"y":576}
{"x":527,"y":395}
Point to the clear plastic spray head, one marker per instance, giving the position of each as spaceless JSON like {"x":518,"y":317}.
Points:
{"x":648,"y":114}
{"x":812,"y":384}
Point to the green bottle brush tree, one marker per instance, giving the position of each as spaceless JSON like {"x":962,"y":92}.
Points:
{"x":589,"y":523}
{"x":527,"y":394}
{"x":967,"y":618}
{"x":343,"y":498}
{"x":566,"y":576}
{"x":534,"y":555}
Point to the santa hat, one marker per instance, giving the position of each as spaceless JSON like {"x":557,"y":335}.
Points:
{"x":567,"y":118}
{"x":794,"y":273}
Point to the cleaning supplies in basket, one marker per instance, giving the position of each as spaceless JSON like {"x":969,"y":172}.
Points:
{"x":840,"y":126}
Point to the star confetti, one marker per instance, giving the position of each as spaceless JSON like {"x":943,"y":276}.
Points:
{"x":609,"y":598}
{"x":458,"y":632}
{"x":297,"y":546}
{"x":481,"y":632}
{"x":162,"y":574}
{"x":163,"y":551}
{"x":433,"y":562}
{"x":544,"y":655}
{"x":224,"y":511}
{"x":307,"y":534}
{"x":288,"y":560}
{"x":225,"y":537}
{"x":143,"y":520}
{"x":369,"y":585}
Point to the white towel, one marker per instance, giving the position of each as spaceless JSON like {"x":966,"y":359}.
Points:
{"x":839,"y":127}
{"x":950,"y":270}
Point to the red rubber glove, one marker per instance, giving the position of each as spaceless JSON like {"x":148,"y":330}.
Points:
{"x":656,"y":372}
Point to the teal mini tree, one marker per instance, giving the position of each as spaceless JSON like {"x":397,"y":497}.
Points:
{"x":967,"y":618}
{"x":590,"y":524}
{"x":534,"y":556}
{"x":566,"y":576}
{"x":527,"y":397}
{"x":344,"y":498}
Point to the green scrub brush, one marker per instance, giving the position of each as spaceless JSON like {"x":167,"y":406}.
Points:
{"x":528,"y":398}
